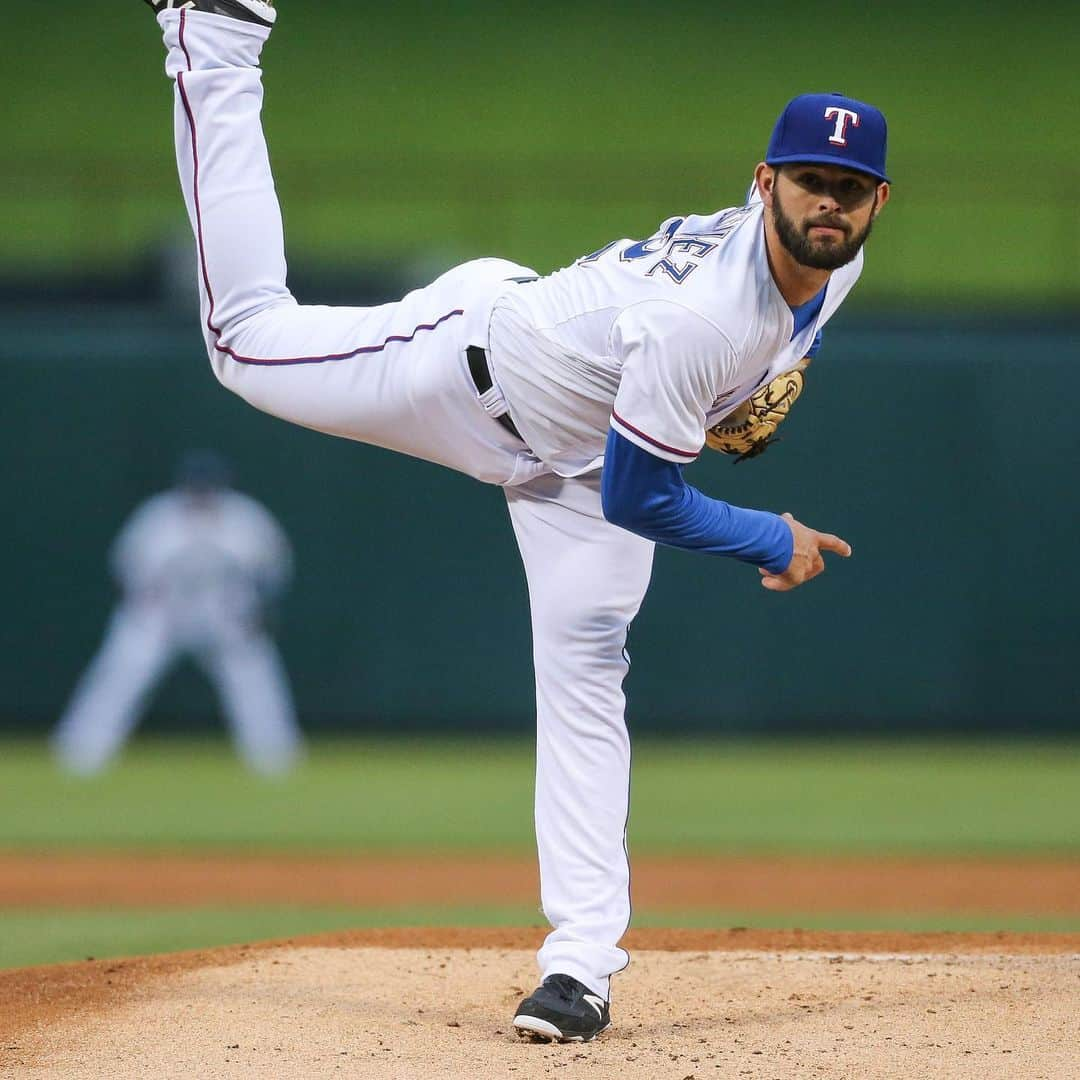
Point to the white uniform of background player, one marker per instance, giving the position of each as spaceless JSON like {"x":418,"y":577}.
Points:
{"x":656,"y":339}
{"x":196,"y":566}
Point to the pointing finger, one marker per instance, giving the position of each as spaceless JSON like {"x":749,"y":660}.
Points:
{"x":828,"y":542}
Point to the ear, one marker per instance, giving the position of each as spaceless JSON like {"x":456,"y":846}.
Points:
{"x":765,"y":178}
{"x":883,"y":191}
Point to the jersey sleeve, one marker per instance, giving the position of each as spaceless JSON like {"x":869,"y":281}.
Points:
{"x":649,"y":497}
{"x":674,"y":364}
{"x":275,"y":556}
{"x":262,"y":547}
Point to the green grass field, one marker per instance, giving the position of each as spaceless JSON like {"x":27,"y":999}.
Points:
{"x":57,"y":935}
{"x":963,"y":798}
{"x":403,"y":133}
{"x":688,"y":796}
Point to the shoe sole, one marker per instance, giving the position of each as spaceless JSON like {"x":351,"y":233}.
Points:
{"x":532,"y":1027}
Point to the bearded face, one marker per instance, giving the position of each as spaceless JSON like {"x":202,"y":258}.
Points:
{"x":822,"y":240}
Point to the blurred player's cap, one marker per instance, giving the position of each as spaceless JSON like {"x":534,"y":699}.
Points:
{"x":203,"y":470}
{"x":830,"y":129}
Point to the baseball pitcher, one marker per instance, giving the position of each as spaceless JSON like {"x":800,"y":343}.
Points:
{"x":584,"y":394}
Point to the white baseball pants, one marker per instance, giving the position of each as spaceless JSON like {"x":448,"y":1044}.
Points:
{"x":396,"y":376}
{"x":142,"y":642}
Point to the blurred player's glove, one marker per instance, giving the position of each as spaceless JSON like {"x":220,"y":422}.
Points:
{"x":752,"y":426}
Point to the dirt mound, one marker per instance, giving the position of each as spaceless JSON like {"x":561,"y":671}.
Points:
{"x":419,"y":1004}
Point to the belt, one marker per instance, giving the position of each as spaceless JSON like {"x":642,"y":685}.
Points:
{"x":481,"y":377}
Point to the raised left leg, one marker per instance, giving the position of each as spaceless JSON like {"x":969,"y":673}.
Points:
{"x":394,"y":375}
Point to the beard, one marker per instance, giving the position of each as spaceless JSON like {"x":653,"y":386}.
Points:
{"x":826,"y":254}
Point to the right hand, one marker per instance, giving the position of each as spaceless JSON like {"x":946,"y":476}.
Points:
{"x":806,"y":559}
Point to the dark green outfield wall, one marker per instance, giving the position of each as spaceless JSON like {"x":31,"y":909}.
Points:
{"x":946,"y":455}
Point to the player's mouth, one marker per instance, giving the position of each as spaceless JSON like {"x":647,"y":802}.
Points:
{"x":823,"y":232}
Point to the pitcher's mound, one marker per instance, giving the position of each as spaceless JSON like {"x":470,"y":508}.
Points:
{"x":433,"y":1004}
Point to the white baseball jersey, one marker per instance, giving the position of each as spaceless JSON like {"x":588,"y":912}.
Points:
{"x":202,"y":557}
{"x":661,"y":337}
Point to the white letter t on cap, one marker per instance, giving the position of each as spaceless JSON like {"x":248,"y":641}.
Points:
{"x":839,"y":135}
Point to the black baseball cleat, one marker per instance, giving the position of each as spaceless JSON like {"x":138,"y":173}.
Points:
{"x":260,"y":12}
{"x":562,"y":1010}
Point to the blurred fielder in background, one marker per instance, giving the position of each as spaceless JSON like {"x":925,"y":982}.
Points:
{"x":583,"y":394}
{"x":196,"y":567}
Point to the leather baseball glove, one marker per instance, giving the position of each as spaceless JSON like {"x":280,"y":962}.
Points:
{"x":751,"y":427}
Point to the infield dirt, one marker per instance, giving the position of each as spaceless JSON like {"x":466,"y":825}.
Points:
{"x":780,"y":883}
{"x":412,"y":1005}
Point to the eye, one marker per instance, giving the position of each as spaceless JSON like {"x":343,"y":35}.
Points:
{"x":811,"y":181}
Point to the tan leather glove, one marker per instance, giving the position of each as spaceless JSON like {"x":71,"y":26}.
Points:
{"x":751,"y":427}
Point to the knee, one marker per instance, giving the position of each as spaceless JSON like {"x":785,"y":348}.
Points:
{"x":241,"y":338}
{"x":225,"y":369}
{"x":236,"y":349}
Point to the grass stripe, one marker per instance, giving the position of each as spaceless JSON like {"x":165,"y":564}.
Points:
{"x":58,"y":935}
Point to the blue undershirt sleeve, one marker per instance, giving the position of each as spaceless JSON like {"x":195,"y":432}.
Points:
{"x":648,"y":496}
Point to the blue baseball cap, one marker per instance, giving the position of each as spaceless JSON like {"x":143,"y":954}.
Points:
{"x":830,"y":129}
